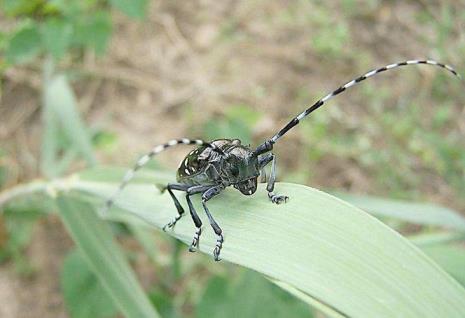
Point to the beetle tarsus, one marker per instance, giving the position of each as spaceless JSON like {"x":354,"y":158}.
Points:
{"x":171,"y":224}
{"x":277,"y":198}
{"x":195,"y":240}
{"x":218,"y":246}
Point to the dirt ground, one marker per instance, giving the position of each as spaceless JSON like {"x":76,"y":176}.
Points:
{"x":202,"y":57}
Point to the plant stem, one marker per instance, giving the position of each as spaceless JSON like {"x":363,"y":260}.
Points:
{"x":22,"y":189}
{"x":49,"y":187}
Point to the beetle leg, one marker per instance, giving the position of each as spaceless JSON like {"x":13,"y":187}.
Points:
{"x":207,"y":195}
{"x":275,"y":198}
{"x":262,"y":175}
{"x":194,"y":215}
{"x":264,"y":160}
{"x":170,"y":187}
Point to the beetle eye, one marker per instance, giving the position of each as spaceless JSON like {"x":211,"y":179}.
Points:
{"x":235,"y":171}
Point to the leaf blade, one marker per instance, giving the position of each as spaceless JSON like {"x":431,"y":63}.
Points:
{"x":420,"y":213}
{"x":344,"y":248}
{"x":83,"y":294}
{"x":94,"y":239}
{"x":132,"y":8}
{"x":60,"y":100}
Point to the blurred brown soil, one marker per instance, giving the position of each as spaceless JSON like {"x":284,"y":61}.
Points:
{"x":202,"y":57}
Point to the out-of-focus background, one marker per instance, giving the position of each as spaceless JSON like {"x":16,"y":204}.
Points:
{"x":145,"y":72}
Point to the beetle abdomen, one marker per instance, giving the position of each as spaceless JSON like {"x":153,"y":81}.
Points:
{"x":195,"y":167}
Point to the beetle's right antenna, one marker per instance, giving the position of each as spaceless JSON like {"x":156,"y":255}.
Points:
{"x":268,"y":145}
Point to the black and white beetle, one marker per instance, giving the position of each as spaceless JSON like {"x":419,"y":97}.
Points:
{"x":215,"y":165}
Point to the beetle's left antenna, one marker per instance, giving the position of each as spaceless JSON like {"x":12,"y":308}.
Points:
{"x":268,"y":145}
{"x":142,"y":162}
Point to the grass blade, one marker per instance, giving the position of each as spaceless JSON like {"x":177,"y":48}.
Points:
{"x":430,"y":239}
{"x":451,"y":258}
{"x":317,"y":244}
{"x":145,"y":238}
{"x":419,"y":213}
{"x":49,"y":147}
{"x":60,"y":100}
{"x":315,"y":303}
{"x":94,"y":239}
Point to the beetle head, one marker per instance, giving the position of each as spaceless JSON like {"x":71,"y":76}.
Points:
{"x":242,"y":169}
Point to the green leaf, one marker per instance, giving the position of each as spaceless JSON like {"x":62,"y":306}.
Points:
{"x":95,"y":241}
{"x":315,"y":303}
{"x":62,"y":119}
{"x":3,"y":41}
{"x":20,"y":7}
{"x":215,"y":300}
{"x":109,"y":174}
{"x":233,"y":128}
{"x":83,"y":293}
{"x":164,"y":303}
{"x":334,"y":253}
{"x":50,"y":135}
{"x":252,"y":296}
{"x":451,"y":258}
{"x":94,"y":31}
{"x":419,"y":213}
{"x":132,"y":8}
{"x":427,"y":238}
{"x":70,"y":8}
{"x":56,"y":36}
{"x":17,"y":223}
{"x":236,"y":123}
{"x":24,"y":45}
{"x":146,"y":240}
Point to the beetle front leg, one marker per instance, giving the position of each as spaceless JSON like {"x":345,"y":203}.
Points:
{"x":275,"y":198}
{"x":194,"y":215}
{"x":207,"y":195}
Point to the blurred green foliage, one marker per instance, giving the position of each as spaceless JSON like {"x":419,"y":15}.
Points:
{"x":236,"y":122}
{"x":83,"y":293}
{"x":224,"y":297}
{"x":57,"y":27}
{"x":65,"y":136}
{"x":17,"y":224}
{"x":451,"y":258}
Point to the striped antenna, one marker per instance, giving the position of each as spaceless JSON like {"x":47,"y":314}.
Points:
{"x":142,"y":162}
{"x":268,"y":145}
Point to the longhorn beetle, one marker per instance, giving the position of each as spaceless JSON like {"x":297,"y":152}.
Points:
{"x":215,"y":165}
